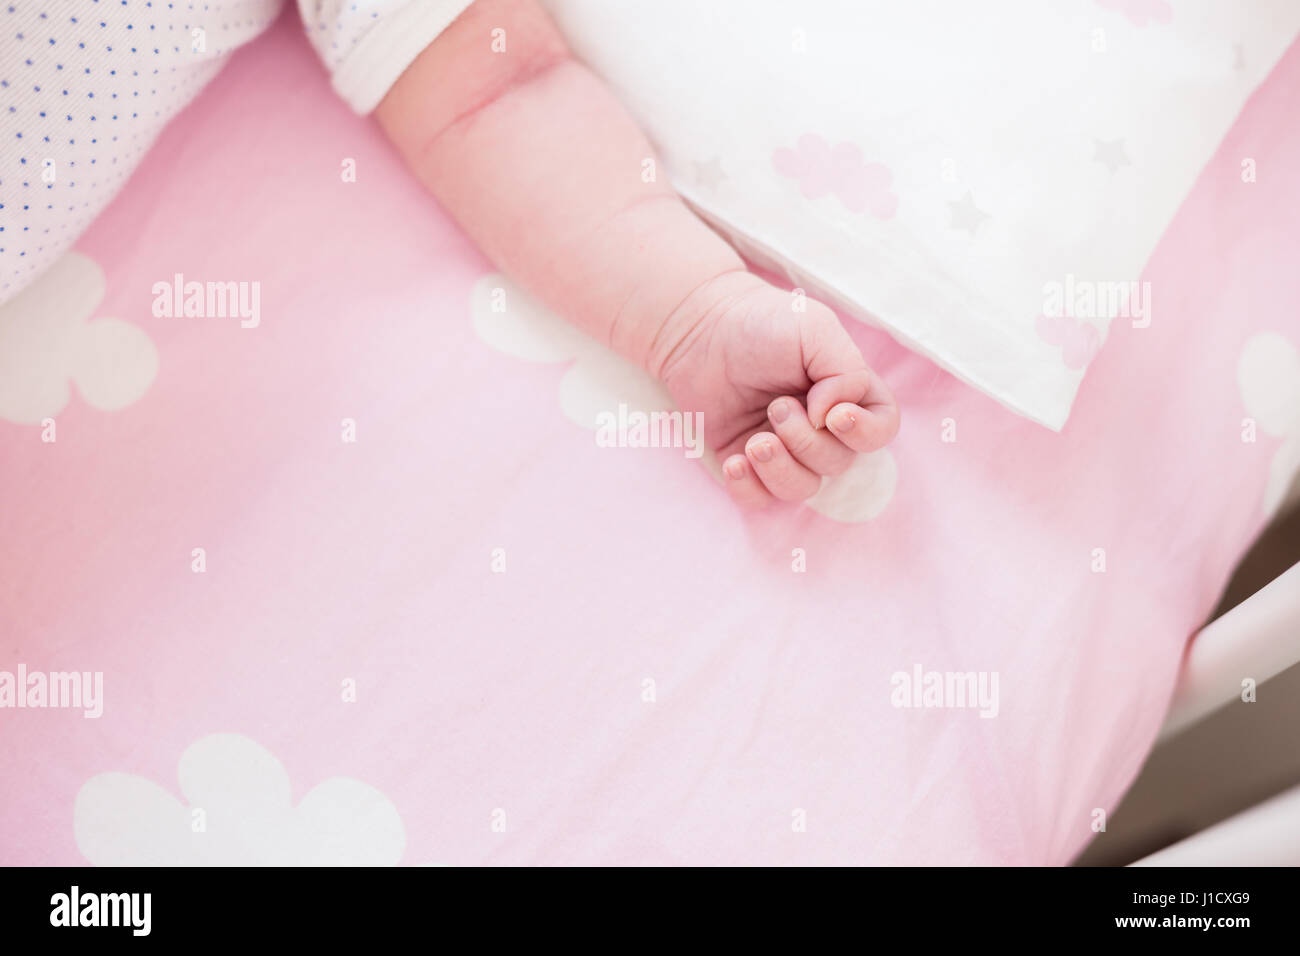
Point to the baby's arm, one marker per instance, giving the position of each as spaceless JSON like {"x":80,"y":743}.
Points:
{"x":543,"y":168}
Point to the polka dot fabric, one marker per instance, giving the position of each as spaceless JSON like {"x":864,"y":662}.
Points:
{"x":86,"y":87}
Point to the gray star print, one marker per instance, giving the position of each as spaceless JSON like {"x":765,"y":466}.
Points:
{"x":709,"y":174}
{"x":1110,"y":153}
{"x":966,"y":215}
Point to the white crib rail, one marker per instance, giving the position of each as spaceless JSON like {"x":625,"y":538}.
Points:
{"x":1265,"y":835}
{"x":1256,"y":639}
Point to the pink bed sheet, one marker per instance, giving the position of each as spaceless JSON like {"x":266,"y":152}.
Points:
{"x":353,"y":678}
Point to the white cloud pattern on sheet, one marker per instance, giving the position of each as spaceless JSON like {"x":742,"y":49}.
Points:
{"x":47,"y":340}
{"x":243,"y":791}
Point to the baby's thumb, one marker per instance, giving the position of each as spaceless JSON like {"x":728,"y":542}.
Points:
{"x":847,"y":397}
{"x":857,"y":407}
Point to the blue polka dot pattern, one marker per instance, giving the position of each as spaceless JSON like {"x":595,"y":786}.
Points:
{"x":86,"y":87}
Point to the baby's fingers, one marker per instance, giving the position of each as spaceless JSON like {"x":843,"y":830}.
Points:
{"x":743,"y":485}
{"x":857,"y":407}
{"x":815,"y":448}
{"x":784,"y":477}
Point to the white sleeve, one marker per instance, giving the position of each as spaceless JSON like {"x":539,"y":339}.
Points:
{"x":367,"y":44}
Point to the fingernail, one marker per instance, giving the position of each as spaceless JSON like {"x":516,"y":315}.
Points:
{"x":735,"y":469}
{"x":761,"y":451}
{"x":843,"y":422}
{"x":778,"y":411}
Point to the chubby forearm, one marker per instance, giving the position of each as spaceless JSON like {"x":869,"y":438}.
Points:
{"x":547,"y":173}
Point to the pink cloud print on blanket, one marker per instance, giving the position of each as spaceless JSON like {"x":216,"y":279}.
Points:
{"x":1141,"y":12}
{"x":823,"y":169}
{"x":1077,"y":340}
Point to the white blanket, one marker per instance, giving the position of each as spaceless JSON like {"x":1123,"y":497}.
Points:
{"x":985,"y":180}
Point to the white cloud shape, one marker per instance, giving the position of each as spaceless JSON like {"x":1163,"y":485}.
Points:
{"x":1268,"y":374}
{"x":47,"y":340}
{"x":124,"y":820}
{"x":511,"y":321}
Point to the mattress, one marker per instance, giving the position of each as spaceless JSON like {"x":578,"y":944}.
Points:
{"x":355,"y":582}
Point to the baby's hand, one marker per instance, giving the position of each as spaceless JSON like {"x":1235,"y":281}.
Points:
{"x":541,"y":165}
{"x":786,"y":395}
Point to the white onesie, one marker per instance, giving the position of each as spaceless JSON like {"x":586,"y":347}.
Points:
{"x":86,"y":86}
